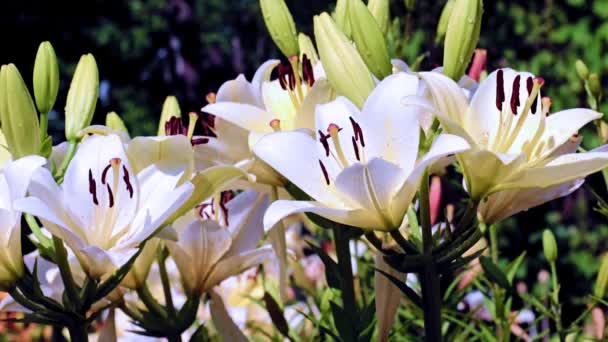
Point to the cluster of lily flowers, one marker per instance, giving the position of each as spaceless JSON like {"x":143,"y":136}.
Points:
{"x":117,"y":220}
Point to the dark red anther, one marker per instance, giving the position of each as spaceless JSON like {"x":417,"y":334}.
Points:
{"x":174,"y":126}
{"x":282,"y":77}
{"x":358,"y":131}
{"x":323,"y":140}
{"x":110,"y":195}
{"x":515,"y":95}
{"x":324,"y":170}
{"x":127,"y":180}
{"x":355,"y":147}
{"x":529,"y":85}
{"x":500,"y":89}
{"x":307,"y":71}
{"x":534,"y":104}
{"x":93,"y":187}
{"x":287,"y":79}
{"x":199,"y":141}
{"x":104,"y":174}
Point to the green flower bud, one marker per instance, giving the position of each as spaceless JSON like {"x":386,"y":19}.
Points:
{"x":307,"y":48}
{"x":46,"y":77}
{"x":601,"y":283}
{"x":581,"y":69}
{"x":380,"y":9}
{"x":595,"y":86}
{"x":170,"y":109}
{"x":342,"y":18}
{"x":461,"y":37}
{"x":549,"y":246}
{"x":82,"y":96}
{"x":281,"y":26}
{"x":115,"y":122}
{"x":369,"y":40}
{"x":409,"y":4}
{"x":18,"y":114}
{"x":442,"y":26}
{"x":345,"y":69}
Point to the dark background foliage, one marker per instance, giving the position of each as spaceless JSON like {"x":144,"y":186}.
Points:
{"x":148,"y":49}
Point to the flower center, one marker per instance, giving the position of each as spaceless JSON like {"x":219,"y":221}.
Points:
{"x":175,"y":127}
{"x":291,"y":81}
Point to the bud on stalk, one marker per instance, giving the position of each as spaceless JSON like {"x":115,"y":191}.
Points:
{"x":170,"y":109}
{"x":595,"y":86}
{"x":380,"y":10}
{"x":82,"y":97}
{"x":369,"y":40}
{"x":442,"y":26}
{"x":345,"y":69}
{"x":549,"y":246}
{"x":461,"y":37}
{"x":342,"y":18}
{"x":601,"y":282}
{"x":281,"y":26}
{"x":115,"y":122}
{"x":46,"y":78}
{"x":582,"y":70}
{"x":18,"y":114}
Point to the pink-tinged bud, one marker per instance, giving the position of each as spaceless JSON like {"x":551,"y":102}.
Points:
{"x":599,"y":323}
{"x":435,"y":198}
{"x":479,"y":64}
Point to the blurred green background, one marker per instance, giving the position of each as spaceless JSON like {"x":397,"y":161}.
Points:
{"x":148,"y":49}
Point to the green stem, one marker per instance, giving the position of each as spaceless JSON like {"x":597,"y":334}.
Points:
{"x":78,"y":332}
{"x":166,"y":284}
{"x":35,"y":228}
{"x":429,"y":279}
{"x":44,"y":124}
{"x":66,"y":161}
{"x":496,"y":290}
{"x":346,"y":274}
{"x":61,"y":259}
{"x":555,"y":300}
{"x":280,"y":246}
{"x":150,"y":302}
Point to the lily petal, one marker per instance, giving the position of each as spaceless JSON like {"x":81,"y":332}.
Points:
{"x":236,"y":264}
{"x":245,"y":116}
{"x":224,"y":324}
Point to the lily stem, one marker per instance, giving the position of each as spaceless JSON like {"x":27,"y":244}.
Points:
{"x":496,"y":290}
{"x":164,"y":277}
{"x":279,"y":243}
{"x":346,"y":274}
{"x":61,"y":258}
{"x":431,"y":291}
{"x":78,"y":332}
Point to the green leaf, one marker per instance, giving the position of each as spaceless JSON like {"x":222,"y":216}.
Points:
{"x":332,"y":272}
{"x":494,"y":273}
{"x":513,"y":266}
{"x":406,"y":290}
{"x":276,"y":314}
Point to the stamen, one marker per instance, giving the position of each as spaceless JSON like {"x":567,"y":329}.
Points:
{"x":307,"y":71}
{"x":540,"y":81}
{"x":275,"y":124}
{"x":515,"y":95}
{"x":323,"y":141}
{"x":529,"y":85}
{"x":500,"y":90}
{"x":110,"y":195}
{"x":93,"y":187}
{"x":199,"y":141}
{"x":324,"y":170}
{"x":174,"y":126}
{"x":127,"y":180}
{"x":356,"y":148}
{"x":358,"y":131}
{"x":104,"y":174}
{"x":546,"y":105}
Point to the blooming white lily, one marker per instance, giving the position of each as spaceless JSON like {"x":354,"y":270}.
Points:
{"x":103,"y":211}
{"x":209,"y":251}
{"x":513,"y":140}
{"x":14,"y":179}
{"x":364,"y":169}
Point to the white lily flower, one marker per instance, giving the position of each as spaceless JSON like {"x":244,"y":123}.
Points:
{"x":209,"y":251}
{"x":103,"y":211}
{"x":513,"y":141}
{"x":14,"y":179}
{"x":365,"y":170}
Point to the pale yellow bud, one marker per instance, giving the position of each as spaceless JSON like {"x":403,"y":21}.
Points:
{"x":281,"y":26}
{"x":380,"y":9}
{"x":82,"y":97}
{"x":115,"y":122}
{"x":46,"y":77}
{"x":461,"y":37}
{"x":170,"y":109}
{"x":369,"y":40}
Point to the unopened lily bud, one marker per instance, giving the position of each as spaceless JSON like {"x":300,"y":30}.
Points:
{"x":345,"y":69}
{"x":307,"y":48}
{"x":46,"y":77}
{"x":342,"y":18}
{"x":581,"y":69}
{"x":549,"y":246}
{"x":601,"y":283}
{"x":115,"y":122}
{"x":461,"y":36}
{"x":595,"y":86}
{"x":479,"y":64}
{"x":18,"y":114}
{"x":281,"y":26}
{"x":380,"y":10}
{"x":170,"y":109}
{"x":369,"y":40}
{"x":82,"y":96}
{"x":604,"y":131}
{"x":442,"y":26}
